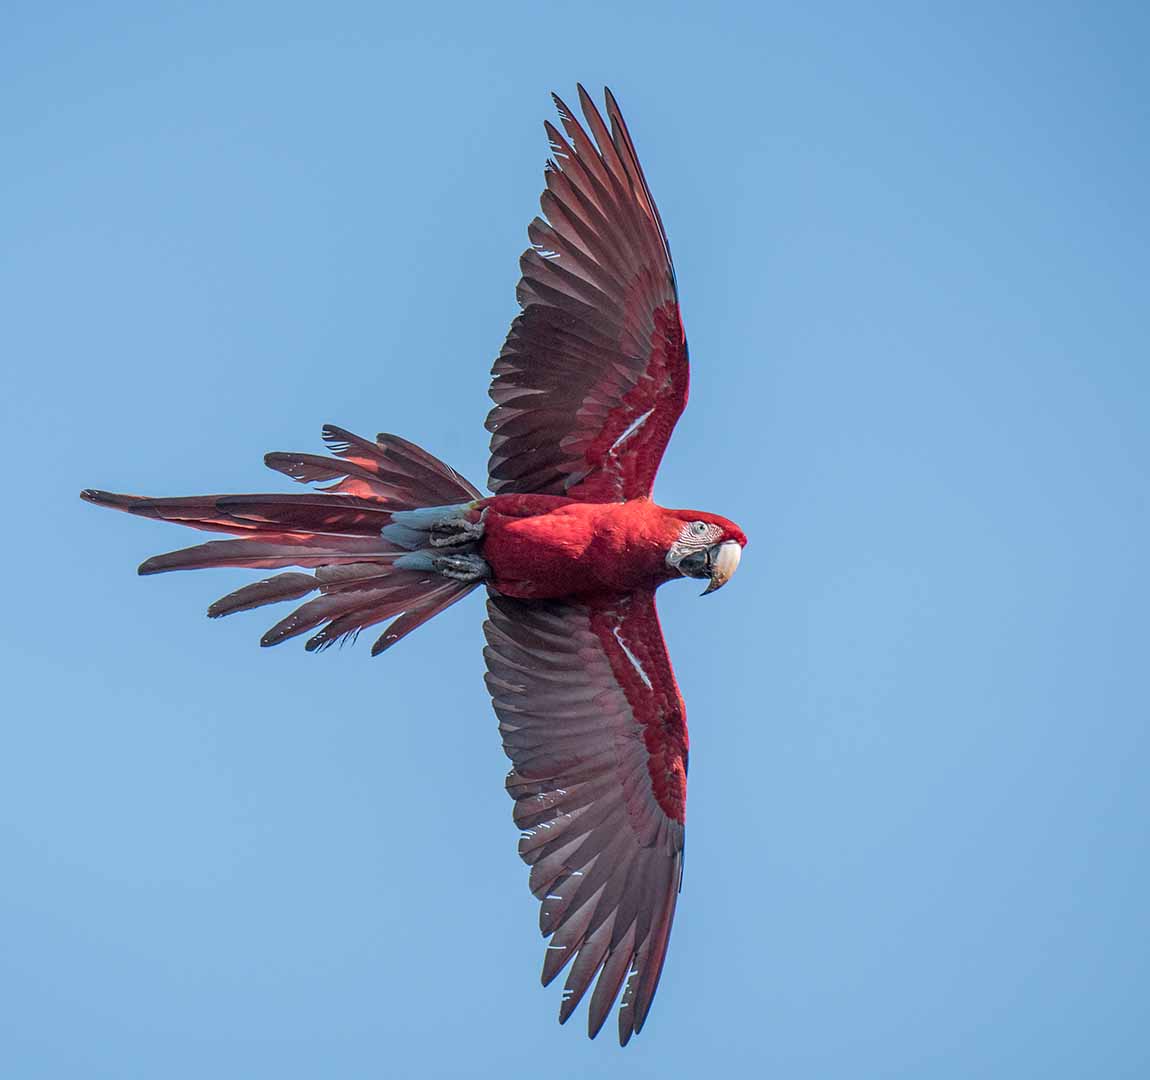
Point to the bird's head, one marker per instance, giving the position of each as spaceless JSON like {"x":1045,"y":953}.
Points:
{"x":707,"y":546}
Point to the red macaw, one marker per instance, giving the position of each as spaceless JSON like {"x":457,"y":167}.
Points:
{"x":570,"y":547}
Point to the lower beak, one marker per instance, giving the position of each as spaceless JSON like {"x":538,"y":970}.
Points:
{"x":724,"y":561}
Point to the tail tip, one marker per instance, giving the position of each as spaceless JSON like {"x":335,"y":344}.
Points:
{"x":110,"y":498}
{"x":383,"y":643}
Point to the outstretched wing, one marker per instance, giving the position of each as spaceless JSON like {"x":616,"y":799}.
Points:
{"x":593,"y":375}
{"x":594,"y":725}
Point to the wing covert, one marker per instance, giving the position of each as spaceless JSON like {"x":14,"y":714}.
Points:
{"x":594,"y":725}
{"x":593,"y":375}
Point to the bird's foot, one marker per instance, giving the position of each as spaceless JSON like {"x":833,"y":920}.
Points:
{"x":455,"y":532}
{"x":461,"y":567}
{"x":457,"y":566}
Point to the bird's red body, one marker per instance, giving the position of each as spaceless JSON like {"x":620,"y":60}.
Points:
{"x":544,"y":547}
{"x":571,"y":548}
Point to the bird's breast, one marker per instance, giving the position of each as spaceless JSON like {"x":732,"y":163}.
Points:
{"x":567,"y":548}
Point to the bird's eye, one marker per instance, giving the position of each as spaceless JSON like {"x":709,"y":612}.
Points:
{"x":699,"y":528}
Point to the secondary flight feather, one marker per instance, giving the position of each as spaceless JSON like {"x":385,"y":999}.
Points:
{"x":570,"y":548}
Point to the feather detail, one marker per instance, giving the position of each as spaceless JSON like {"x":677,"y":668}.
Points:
{"x":270,"y":552}
{"x":431,"y":605}
{"x":269,"y":591}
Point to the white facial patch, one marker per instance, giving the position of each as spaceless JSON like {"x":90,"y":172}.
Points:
{"x":694,"y":536}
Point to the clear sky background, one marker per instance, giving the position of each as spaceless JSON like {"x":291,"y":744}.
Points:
{"x":912,"y":247}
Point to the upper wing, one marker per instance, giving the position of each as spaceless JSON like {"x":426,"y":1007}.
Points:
{"x":595,"y":728}
{"x":593,"y":375}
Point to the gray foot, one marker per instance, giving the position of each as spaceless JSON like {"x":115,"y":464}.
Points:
{"x":461,"y":567}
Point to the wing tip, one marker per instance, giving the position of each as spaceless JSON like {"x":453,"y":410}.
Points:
{"x":561,"y":107}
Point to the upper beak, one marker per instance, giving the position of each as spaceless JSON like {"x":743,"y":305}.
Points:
{"x":723,"y":561}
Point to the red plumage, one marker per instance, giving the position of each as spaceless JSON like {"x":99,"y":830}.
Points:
{"x":587,"y":390}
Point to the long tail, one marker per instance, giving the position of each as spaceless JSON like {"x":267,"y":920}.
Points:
{"x":394,"y":537}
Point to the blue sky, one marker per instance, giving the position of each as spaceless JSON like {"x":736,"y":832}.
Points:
{"x":912,"y":250}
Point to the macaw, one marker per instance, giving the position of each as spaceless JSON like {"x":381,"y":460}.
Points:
{"x":570,"y":548}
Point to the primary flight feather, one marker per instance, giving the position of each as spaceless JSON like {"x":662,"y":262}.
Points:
{"x":570,"y":547}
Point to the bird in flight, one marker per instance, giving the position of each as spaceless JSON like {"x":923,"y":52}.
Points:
{"x":570,"y":548}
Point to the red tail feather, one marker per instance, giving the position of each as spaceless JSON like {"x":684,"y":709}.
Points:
{"x":271,"y":551}
{"x":269,"y":591}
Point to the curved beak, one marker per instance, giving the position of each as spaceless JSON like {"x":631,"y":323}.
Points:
{"x":722,"y":562}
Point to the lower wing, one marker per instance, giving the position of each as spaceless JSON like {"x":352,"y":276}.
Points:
{"x":594,"y":725}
